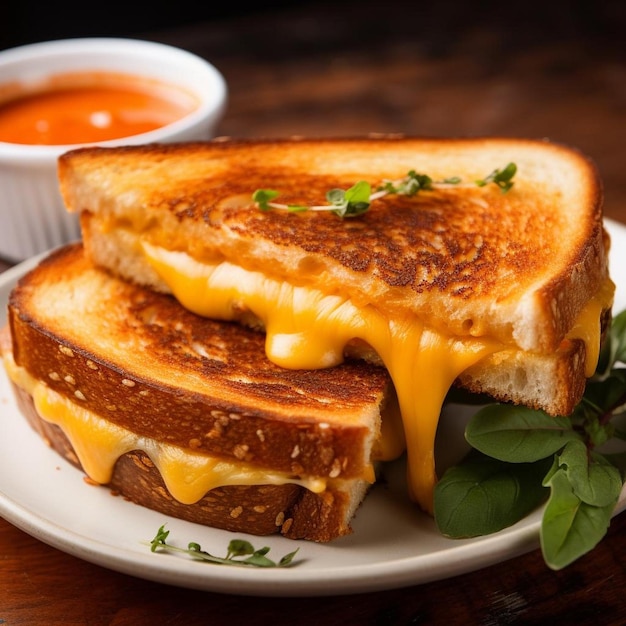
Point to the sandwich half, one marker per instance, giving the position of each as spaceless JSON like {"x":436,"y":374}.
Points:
{"x":187,"y":416}
{"x":502,"y":293}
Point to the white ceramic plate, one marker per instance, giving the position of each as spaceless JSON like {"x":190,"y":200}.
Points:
{"x":393,"y":545}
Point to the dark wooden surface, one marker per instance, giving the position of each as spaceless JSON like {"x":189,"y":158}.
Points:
{"x":554,"y":70}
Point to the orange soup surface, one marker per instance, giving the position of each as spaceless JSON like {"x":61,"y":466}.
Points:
{"x":88,"y":113}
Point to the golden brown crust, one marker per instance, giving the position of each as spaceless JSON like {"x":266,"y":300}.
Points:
{"x":206,"y":386}
{"x":290,"y":510}
{"x":518,"y":266}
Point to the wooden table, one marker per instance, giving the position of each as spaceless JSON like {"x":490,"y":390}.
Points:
{"x":318,"y":69}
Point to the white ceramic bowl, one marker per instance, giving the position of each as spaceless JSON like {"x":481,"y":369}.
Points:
{"x":32,"y":214}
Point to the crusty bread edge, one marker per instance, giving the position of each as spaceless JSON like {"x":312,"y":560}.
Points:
{"x":552,"y":383}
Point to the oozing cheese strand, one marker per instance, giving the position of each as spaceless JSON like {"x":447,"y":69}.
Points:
{"x":307,"y":330}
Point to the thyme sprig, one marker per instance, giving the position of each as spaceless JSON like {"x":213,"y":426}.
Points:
{"x":240,"y":552}
{"x":357,"y":199}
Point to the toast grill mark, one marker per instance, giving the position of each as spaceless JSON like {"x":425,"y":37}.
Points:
{"x":440,"y":243}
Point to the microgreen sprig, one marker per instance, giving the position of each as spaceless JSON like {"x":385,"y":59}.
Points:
{"x":521,"y":458}
{"x":357,"y":199}
{"x":502,"y":178}
{"x":240,"y":552}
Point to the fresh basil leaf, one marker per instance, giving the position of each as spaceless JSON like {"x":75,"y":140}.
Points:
{"x":336,"y":196}
{"x":357,"y":199}
{"x":501,"y":178}
{"x":351,"y":202}
{"x":570,"y":527}
{"x":259,"y":559}
{"x":517,"y":434}
{"x":414,"y":183}
{"x":483,"y":495}
{"x":160,"y":539}
{"x":360,"y":192}
{"x":593,"y":479}
{"x":287,"y":559}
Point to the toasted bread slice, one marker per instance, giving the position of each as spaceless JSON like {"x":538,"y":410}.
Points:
{"x":518,"y":266}
{"x":141,"y":393}
{"x":552,"y":381}
{"x":504,"y":293}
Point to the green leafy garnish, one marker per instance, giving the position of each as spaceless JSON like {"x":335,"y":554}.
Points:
{"x":353,"y":201}
{"x":240,"y":552}
{"x":484,"y":495}
{"x":501,"y":178}
{"x":521,"y":458}
{"x":571,"y":525}
{"x":412,"y":183}
{"x":357,"y":199}
{"x":517,"y":434}
{"x":263,"y":198}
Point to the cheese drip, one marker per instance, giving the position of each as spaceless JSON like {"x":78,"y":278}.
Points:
{"x":98,"y":445}
{"x":306,"y":329}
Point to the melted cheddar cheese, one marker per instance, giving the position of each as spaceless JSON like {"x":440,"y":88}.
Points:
{"x":307,"y":329}
{"x":98,"y":445}
{"x":588,"y":325}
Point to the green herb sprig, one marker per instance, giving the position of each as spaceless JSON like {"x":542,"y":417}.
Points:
{"x":521,"y":458}
{"x":357,"y":199}
{"x":240,"y":553}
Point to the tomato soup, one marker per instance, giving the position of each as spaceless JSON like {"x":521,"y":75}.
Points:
{"x":90,"y":108}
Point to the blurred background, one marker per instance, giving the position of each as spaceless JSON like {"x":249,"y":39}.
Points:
{"x":28,"y":21}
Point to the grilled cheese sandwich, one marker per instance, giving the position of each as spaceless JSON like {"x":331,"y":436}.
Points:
{"x":504,"y":294}
{"x":109,"y":371}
